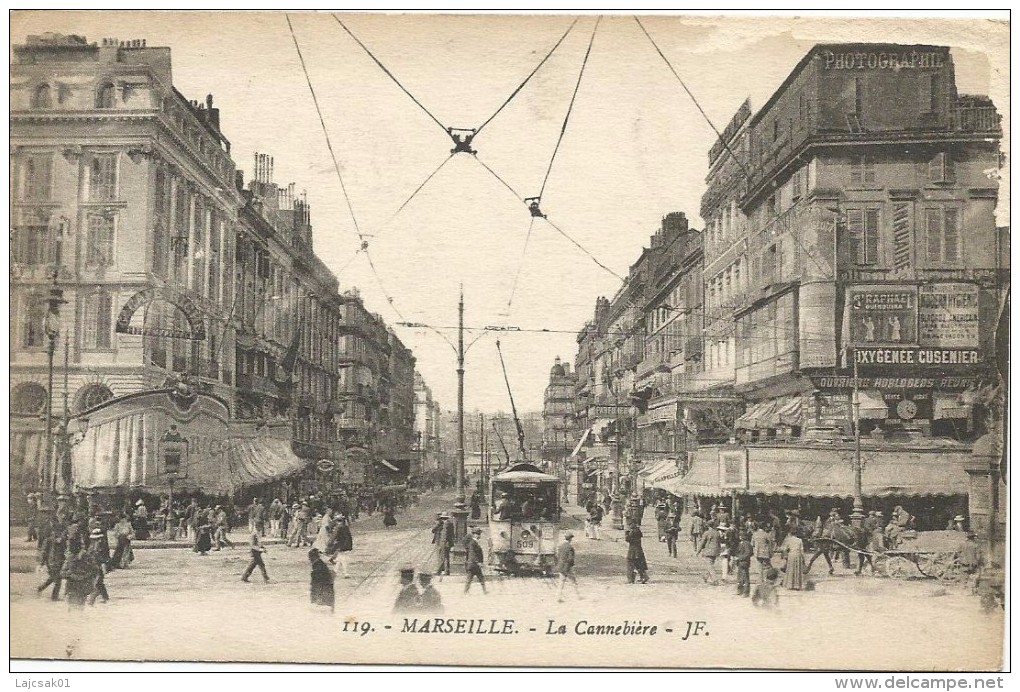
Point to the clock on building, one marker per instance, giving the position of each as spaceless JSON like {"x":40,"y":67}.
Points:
{"x":906,"y":409}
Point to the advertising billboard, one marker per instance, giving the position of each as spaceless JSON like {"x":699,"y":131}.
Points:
{"x":882,"y":315}
{"x":947,"y":315}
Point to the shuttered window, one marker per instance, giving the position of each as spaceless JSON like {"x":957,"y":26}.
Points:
{"x":97,"y":321}
{"x":862,"y":225}
{"x":103,"y":178}
{"x":943,"y":236}
{"x":99,"y":249}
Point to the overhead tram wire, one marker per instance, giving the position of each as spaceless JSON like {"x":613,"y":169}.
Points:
{"x":390,"y":74}
{"x":559,"y":140}
{"x":528,"y":78}
{"x":722,"y":139}
{"x":325,"y":132}
{"x":336,"y":167}
{"x":570,"y":107}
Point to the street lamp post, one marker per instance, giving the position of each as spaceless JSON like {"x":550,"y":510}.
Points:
{"x":51,"y":326}
{"x":459,"y":504}
{"x":857,"y":515}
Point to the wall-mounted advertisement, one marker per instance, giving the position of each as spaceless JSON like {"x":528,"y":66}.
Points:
{"x":882,"y":315}
{"x":947,"y":315}
{"x":733,"y":468}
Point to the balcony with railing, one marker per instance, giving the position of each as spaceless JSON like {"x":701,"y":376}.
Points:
{"x":257,"y":384}
{"x":966,"y":118}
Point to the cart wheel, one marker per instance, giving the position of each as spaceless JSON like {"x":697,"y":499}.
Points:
{"x":940,"y":566}
{"x":899,"y":567}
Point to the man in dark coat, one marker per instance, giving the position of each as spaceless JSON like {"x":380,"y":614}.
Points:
{"x":95,"y":564}
{"x":636,"y":562}
{"x":79,"y":575}
{"x":52,"y":556}
{"x":474,"y":558}
{"x":408,"y":600}
{"x":445,"y":545}
{"x":344,"y":542}
{"x":430,"y":601}
{"x":743,"y":561}
{"x":322,"y":581}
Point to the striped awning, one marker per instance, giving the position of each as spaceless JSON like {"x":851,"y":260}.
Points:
{"x":253,"y":461}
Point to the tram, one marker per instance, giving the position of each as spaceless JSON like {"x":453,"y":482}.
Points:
{"x":524,"y":520}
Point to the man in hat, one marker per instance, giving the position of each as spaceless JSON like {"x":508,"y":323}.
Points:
{"x":762,"y":547}
{"x":141,"y":520}
{"x":408,"y":599}
{"x":220,"y":536}
{"x":972,"y":559}
{"x":565,"y":565}
{"x":473,"y":560}
{"x":95,"y":568}
{"x":52,"y":557}
{"x":870,"y":522}
{"x":956,"y":523}
{"x":430,"y":601}
{"x":257,"y":549}
{"x":710,"y":548}
{"x":442,"y":546}
{"x":276,"y":510}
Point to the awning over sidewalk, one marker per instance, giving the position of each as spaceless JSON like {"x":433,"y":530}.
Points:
{"x":788,"y":410}
{"x":804,"y":471}
{"x":757,"y":416}
{"x":253,"y":461}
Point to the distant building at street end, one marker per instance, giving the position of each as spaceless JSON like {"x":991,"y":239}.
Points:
{"x":559,"y":421}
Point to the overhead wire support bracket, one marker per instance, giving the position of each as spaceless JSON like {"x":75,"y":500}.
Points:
{"x":533,"y":207}
{"x":462,"y":137}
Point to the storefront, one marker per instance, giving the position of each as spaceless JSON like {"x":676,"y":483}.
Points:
{"x":144,"y":443}
{"x":929,"y":480}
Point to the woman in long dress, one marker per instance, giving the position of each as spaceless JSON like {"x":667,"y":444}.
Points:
{"x":793,"y":550}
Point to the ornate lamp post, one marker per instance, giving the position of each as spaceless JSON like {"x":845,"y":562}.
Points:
{"x":51,"y":326}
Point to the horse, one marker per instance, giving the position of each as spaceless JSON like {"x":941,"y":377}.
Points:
{"x":832,"y":539}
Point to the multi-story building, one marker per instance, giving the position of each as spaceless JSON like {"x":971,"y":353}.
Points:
{"x":851,"y":218}
{"x":559,"y":424}
{"x":153,"y":293}
{"x":123,"y":199}
{"x":396,"y":439}
{"x":427,"y":412}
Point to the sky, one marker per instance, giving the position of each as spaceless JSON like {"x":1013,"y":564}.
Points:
{"x":635,"y":148}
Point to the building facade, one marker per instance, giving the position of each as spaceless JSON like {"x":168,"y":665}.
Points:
{"x":852,"y":218}
{"x":149,"y":283}
{"x":559,"y":422}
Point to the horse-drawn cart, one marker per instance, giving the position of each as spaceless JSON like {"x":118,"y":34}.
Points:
{"x":933,"y":554}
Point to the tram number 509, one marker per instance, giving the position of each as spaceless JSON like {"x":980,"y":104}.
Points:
{"x":522,"y":545}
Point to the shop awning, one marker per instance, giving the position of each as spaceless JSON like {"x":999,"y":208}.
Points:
{"x":806,"y":471}
{"x":873,"y":406}
{"x":757,"y":416}
{"x":650,"y":471}
{"x":814,"y":472}
{"x":28,"y":455}
{"x":950,"y":406}
{"x":701,"y":479}
{"x":668,"y":469}
{"x":790,"y":411}
{"x":252,"y":461}
{"x":580,"y":443}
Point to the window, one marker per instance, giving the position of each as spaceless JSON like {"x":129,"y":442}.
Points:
{"x":104,"y":96}
{"x":98,"y":321}
{"x":862,"y":170}
{"x":858,"y":95}
{"x":33,"y":316}
{"x":198,"y":235}
{"x":927,"y":95}
{"x":775,"y":130}
{"x":37,"y":178}
{"x":42,"y":97}
{"x":99,"y":249}
{"x":28,"y":398}
{"x":943,"y":235}
{"x":103,"y":177}
{"x":32,"y":242}
{"x":862,"y":225}
{"x":941,"y":169}
{"x":214,"y":260}
{"x":90,"y":396}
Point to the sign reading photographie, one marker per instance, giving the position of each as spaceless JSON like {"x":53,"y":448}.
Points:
{"x":733,"y":468}
{"x":882,"y":314}
{"x":947,"y":315}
